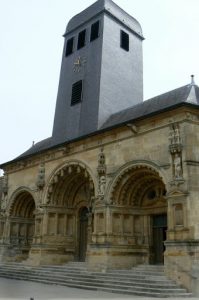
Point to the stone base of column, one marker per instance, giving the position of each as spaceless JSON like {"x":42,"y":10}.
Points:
{"x":13,"y":253}
{"x":49,"y":255}
{"x":104,"y":257}
{"x":182,"y":263}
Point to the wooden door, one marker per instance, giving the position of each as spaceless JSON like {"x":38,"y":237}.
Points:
{"x":159,"y":236}
{"x":83,"y":233}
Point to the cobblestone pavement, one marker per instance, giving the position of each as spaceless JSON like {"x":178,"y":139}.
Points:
{"x":25,"y":290}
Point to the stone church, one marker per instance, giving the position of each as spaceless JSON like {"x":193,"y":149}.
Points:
{"x":117,"y":183}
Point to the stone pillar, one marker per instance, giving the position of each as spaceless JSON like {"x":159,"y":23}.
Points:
{"x":182,"y":250}
{"x":5,"y":239}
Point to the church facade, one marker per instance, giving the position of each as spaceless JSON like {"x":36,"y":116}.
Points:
{"x":117,"y":183}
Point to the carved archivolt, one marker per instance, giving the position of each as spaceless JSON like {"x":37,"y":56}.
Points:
{"x":22,"y":203}
{"x":136,"y":183}
{"x":69,"y":185}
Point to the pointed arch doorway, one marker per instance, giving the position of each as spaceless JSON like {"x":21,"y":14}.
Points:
{"x":83,"y":233}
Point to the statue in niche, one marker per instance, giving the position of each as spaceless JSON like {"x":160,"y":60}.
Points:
{"x":175,"y":148}
{"x":177,"y":166}
{"x":102,"y":185}
{"x":175,"y":135}
{"x":172,"y":137}
{"x":101,"y":170}
{"x":41,"y":176}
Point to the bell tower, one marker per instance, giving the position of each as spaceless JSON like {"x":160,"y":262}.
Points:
{"x":101,"y":70}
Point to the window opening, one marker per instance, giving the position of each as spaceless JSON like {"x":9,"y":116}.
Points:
{"x":124,"y":40}
{"x":81,"y":39}
{"x":69,"y":46}
{"x":76,"y":96}
{"x":94,"y":31}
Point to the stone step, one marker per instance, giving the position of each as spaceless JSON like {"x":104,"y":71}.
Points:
{"x":150,"y":266}
{"x":87,"y":274}
{"x":146,"y":273}
{"x":116,"y":281}
{"x":120,"y":291}
{"x":160,"y":290}
{"x":92,"y":279}
{"x":52,"y":269}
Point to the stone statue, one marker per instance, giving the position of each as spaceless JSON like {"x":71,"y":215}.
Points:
{"x":177,"y":166}
{"x":177,"y":135}
{"x":102,"y":185}
{"x":172,"y":137}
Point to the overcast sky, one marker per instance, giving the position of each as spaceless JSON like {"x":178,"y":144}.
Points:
{"x":31,"y":45}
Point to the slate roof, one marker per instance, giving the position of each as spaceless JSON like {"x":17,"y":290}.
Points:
{"x":188,"y":94}
{"x":108,"y":7}
{"x":38,"y":147}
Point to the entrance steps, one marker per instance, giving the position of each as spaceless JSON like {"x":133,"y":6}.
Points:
{"x":144,"y":280}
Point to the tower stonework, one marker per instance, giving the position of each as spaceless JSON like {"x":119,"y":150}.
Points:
{"x":101,"y":71}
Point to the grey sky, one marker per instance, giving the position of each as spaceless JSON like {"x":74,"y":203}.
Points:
{"x":31,"y":46}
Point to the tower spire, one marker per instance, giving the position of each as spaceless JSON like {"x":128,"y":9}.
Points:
{"x":192,"y":80}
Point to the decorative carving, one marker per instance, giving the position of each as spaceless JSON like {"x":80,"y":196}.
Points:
{"x":41,"y":176}
{"x":78,"y":172}
{"x":133,"y":128}
{"x":39,"y":210}
{"x":101,"y":170}
{"x":102,"y":185}
{"x":65,"y":150}
{"x":4,"y":194}
{"x":177,"y":166}
{"x":175,"y":148}
{"x":5,"y":184}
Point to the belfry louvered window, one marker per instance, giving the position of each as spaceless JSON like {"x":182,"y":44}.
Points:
{"x":76,"y":96}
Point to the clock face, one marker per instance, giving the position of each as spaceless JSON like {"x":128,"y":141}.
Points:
{"x":79,"y":64}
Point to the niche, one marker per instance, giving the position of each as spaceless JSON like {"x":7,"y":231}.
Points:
{"x":178,"y":218}
{"x":117,"y":226}
{"x":100,"y":222}
{"x":61,"y":225}
{"x":51,"y":224}
{"x":70,"y":225}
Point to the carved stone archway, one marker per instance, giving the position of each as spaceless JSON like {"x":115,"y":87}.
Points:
{"x":21,"y":225}
{"x":139,"y":195}
{"x":125,"y":221}
{"x":70,"y":188}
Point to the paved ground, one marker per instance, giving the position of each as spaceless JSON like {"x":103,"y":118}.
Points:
{"x":24,"y":290}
